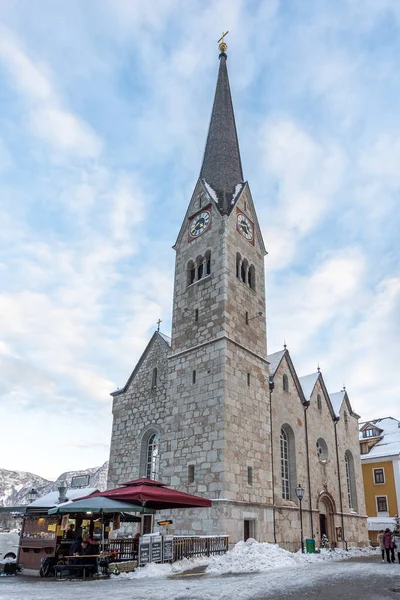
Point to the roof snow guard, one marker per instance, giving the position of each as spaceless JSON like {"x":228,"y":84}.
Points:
{"x":222,"y":167}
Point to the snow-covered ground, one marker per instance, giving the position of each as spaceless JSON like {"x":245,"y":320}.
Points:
{"x":251,"y":570}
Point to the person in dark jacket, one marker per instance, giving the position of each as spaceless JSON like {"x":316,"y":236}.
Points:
{"x":388,"y":543}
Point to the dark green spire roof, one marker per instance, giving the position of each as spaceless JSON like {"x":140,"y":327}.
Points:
{"x":222,"y":167}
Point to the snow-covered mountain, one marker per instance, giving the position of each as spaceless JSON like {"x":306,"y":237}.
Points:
{"x":15,"y":485}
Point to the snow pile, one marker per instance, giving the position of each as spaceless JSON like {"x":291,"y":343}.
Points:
{"x":247,"y":557}
{"x":211,"y":191}
{"x":251,"y":556}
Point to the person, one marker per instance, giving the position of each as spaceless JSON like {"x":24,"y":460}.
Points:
{"x":381,"y":545}
{"x":70,"y":533}
{"x":76,"y":546}
{"x":387,"y":542}
{"x":86,"y":556}
{"x":396,"y":543}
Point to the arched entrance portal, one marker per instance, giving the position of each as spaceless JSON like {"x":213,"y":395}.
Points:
{"x":327,"y":509}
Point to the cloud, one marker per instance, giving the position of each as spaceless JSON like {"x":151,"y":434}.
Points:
{"x":49,"y":120}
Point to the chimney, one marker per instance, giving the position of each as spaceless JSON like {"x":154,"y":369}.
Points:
{"x":62,"y":489}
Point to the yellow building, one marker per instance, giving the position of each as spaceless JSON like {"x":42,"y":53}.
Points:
{"x":380,"y":459}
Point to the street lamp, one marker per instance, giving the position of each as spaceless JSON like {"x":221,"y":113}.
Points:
{"x":32,"y":495}
{"x":300,"y":496}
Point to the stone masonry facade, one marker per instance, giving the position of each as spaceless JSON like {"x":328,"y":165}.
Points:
{"x":229,"y":419}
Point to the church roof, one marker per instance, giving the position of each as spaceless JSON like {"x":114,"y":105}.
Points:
{"x":274,"y":360}
{"x":307,"y":383}
{"x":221,"y":171}
{"x":337,"y":400}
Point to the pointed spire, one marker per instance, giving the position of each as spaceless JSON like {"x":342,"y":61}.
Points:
{"x":222,"y":167}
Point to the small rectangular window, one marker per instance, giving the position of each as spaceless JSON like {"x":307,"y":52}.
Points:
{"x":196,"y":314}
{"x":250,"y":475}
{"x":379,"y":476}
{"x":194,"y":377}
{"x":381,"y":504}
{"x":248,"y":379}
{"x":190,"y":473}
{"x":247,"y":318}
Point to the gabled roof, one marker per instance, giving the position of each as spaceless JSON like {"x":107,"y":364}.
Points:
{"x":337,"y":401}
{"x":274,"y":361}
{"x":221,"y":170}
{"x":157,"y":335}
{"x":307,"y":383}
{"x":389,"y":444}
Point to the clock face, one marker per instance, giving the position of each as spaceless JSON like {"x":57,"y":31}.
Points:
{"x":245,"y":227}
{"x":199,"y":223}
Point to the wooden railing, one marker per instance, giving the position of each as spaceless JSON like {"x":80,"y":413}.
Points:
{"x":125,"y":548}
{"x":187,"y":547}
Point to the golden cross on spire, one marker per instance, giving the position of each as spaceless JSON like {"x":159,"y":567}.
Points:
{"x":222,"y":46}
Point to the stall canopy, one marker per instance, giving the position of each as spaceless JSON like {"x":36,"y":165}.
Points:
{"x":153,"y":494}
{"x":98,"y":504}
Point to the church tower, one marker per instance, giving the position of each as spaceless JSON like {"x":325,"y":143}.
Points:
{"x":218,"y":433}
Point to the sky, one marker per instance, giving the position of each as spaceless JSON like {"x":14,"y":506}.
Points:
{"x":104,"y":111}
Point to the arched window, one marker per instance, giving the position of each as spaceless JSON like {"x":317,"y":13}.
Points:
{"x":319,"y":402}
{"x":243,"y":271}
{"x":285,"y":465}
{"x":208,"y":262}
{"x":200,"y":268}
{"x":238,"y":264}
{"x":322,"y":450}
{"x":252,"y":277}
{"x":154,"y":378}
{"x":288,"y":462}
{"x":191,"y":272}
{"x":350,"y":480}
{"x":153,"y":457}
{"x":346,"y":418}
{"x":285,"y":382}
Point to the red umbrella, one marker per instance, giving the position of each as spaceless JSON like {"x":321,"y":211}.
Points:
{"x":154,"y":494}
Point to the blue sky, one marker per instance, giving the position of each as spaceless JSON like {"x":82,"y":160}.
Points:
{"x":104,"y":110}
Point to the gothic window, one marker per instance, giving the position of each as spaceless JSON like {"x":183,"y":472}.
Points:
{"x":346,"y":418}
{"x":243,"y":271}
{"x":153,"y":457}
{"x":288,"y":462}
{"x":252,"y":277}
{"x":322,"y":450}
{"x":319,"y":402}
{"x":350,"y":480}
{"x":200,"y":269}
{"x":285,"y":382}
{"x":208,"y":262}
{"x":238,"y":265}
{"x":191,"y":273}
{"x":154,"y":378}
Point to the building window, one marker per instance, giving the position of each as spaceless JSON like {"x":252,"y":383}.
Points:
{"x":381,"y":504}
{"x":370,"y":433}
{"x":191,"y":273}
{"x":248,"y":379}
{"x":243,"y":271}
{"x":153,"y":457}
{"x":250,"y":475}
{"x":346,"y":418}
{"x":285,"y":382}
{"x":379,"y":476}
{"x":322,"y":450}
{"x":200,"y":269}
{"x":319,"y":401}
{"x":350,"y":480}
{"x":247,"y":318}
{"x":194,"y":377}
{"x":196,"y":314}
{"x":238,"y":264}
{"x":285,"y":465}
{"x":190,"y":473}
{"x":208,"y":262}
{"x":252,"y":277}
{"x":154,"y":378}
